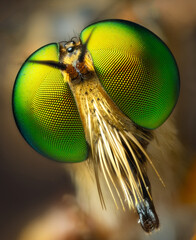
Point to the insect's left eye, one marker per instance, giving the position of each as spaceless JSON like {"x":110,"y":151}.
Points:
{"x":45,"y":110}
{"x":135,"y":68}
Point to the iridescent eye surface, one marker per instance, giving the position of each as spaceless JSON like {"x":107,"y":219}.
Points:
{"x":45,"y":109}
{"x":135,"y":68}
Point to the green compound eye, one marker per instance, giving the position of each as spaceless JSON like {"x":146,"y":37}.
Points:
{"x":45,"y":109}
{"x":135,"y":68}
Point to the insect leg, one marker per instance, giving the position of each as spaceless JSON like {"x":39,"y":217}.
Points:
{"x":147,"y":215}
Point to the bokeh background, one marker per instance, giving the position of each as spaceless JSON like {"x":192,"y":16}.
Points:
{"x":29,"y":183}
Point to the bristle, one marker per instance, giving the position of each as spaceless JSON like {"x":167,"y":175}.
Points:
{"x":95,"y":165}
{"x":109,"y":156}
{"x":146,"y":155}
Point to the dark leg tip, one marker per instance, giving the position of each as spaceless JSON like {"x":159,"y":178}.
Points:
{"x":147,"y":215}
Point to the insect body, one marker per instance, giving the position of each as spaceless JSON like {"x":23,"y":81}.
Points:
{"x":99,"y":99}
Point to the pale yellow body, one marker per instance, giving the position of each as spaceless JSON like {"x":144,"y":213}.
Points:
{"x":106,"y":188}
{"x":165,"y":154}
{"x":105,"y":180}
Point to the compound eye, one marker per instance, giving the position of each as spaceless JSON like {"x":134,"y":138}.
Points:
{"x":45,"y":110}
{"x":135,"y":68}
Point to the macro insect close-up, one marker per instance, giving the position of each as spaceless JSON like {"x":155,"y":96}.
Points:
{"x":98,"y":120}
{"x":98,"y":99}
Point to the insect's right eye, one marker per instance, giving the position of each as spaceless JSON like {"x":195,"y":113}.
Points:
{"x":45,"y":109}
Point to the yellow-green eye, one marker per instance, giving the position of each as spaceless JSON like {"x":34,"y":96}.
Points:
{"x":45,"y":109}
{"x":136,"y":69}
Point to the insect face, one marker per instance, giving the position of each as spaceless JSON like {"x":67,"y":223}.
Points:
{"x":69,"y":52}
{"x":99,"y":98}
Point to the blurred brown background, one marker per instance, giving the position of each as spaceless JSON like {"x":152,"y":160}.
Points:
{"x":30,"y":182}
